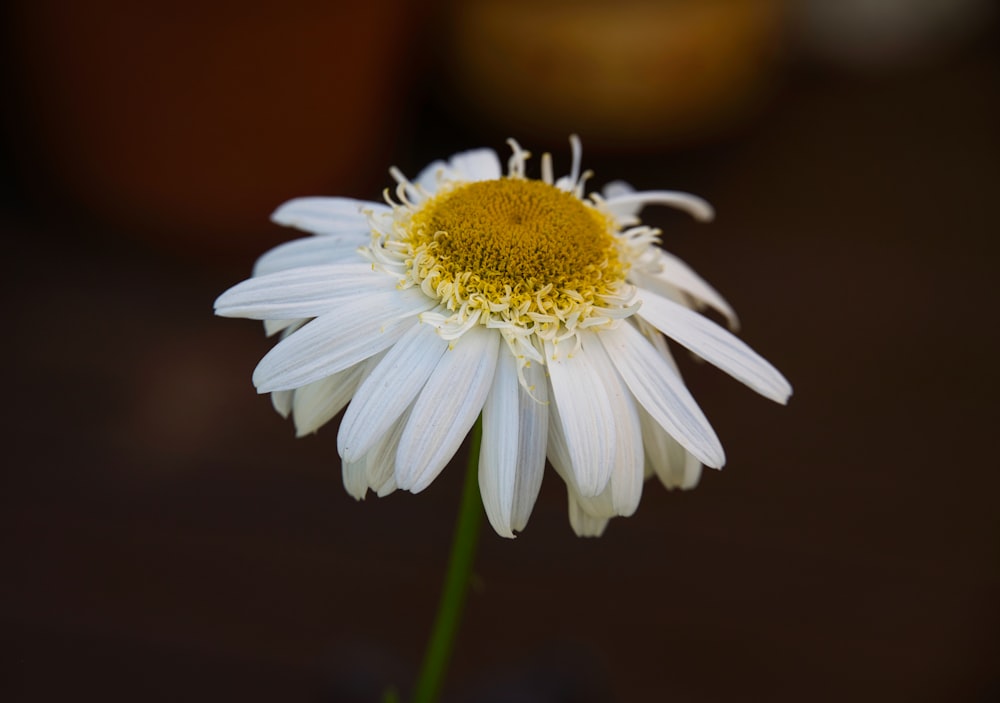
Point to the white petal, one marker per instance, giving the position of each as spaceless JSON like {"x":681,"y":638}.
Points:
{"x":389,"y":390}
{"x":477,"y":165}
{"x":428,"y":178}
{"x":355,"y":482}
{"x":304,"y":292}
{"x":532,"y":436}
{"x":629,"y":469}
{"x":626,"y":213}
{"x":664,"y":454}
{"x":446,"y":408}
{"x":697,"y":207}
{"x":570,"y":181}
{"x":282,"y":402}
{"x":577,"y":149}
{"x":388,"y":487}
{"x":692,"y":471}
{"x":714,"y":344}
{"x":341,"y":338}
{"x":618,"y":188}
{"x":498,"y":465}
{"x":319,"y":402}
{"x":661,"y":392}
{"x":673,"y":464}
{"x":556,"y":448}
{"x":272,"y":327}
{"x":585,"y":415}
{"x":583,"y":523}
{"x":512,"y":456}
{"x":677,"y":275}
{"x":600,"y":505}
{"x":327,"y":215}
{"x":656,"y":338}
{"x":311,"y":251}
{"x":380,"y":462}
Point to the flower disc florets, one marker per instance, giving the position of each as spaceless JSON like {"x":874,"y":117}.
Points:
{"x":522,"y":250}
{"x":516,"y":233}
{"x":524,"y":256}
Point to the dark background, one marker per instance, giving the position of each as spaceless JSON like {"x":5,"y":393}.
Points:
{"x":165,"y":537}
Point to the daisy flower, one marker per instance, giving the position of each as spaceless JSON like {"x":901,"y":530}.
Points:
{"x":473,"y":292}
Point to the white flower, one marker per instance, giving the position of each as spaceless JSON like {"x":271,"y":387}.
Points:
{"x":473,"y":292}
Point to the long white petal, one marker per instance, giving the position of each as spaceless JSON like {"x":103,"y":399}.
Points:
{"x":446,"y":408}
{"x":498,"y":453}
{"x":311,"y":251}
{"x":585,"y":414}
{"x":664,"y":454}
{"x":348,"y":334}
{"x":656,"y":338}
{"x":685,"y":469}
{"x":714,"y":344}
{"x":628,"y":474}
{"x":661,"y":392}
{"x":304,"y":292}
{"x":389,"y":390}
{"x":665,"y":457}
{"x":556,"y":448}
{"x":512,"y":456}
{"x":380,"y":462}
{"x":600,"y":505}
{"x":477,"y":165}
{"x":532,"y":435}
{"x":698,"y":208}
{"x":322,"y":215}
{"x":318,"y":402}
{"x":677,"y":275}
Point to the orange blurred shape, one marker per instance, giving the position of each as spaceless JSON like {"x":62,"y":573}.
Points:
{"x":623,"y":73}
{"x":189,"y":122}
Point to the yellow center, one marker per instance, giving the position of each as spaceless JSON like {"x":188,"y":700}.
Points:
{"x":514,"y":245}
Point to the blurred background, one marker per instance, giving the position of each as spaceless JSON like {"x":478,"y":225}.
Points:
{"x":165,"y":537}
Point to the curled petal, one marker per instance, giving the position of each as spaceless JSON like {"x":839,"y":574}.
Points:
{"x":676,"y":276}
{"x":698,"y":208}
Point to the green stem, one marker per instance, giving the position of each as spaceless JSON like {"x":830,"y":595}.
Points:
{"x":456,"y":585}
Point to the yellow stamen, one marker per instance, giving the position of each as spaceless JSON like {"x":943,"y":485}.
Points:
{"x":520,"y":248}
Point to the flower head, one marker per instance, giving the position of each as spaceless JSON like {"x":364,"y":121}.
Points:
{"x":473,"y":292}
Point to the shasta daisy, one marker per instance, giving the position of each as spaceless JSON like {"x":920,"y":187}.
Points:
{"x":478,"y":291}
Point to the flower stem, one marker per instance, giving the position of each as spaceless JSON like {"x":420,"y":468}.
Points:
{"x":456,"y":585}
